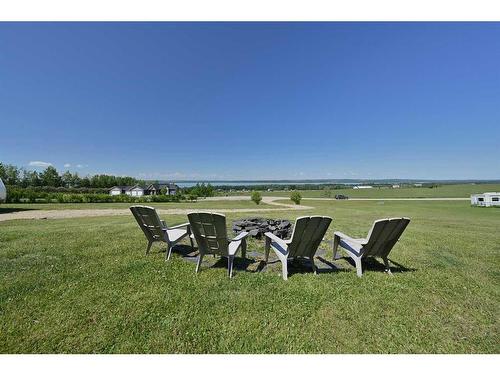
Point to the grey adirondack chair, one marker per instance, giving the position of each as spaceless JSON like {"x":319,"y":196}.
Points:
{"x":210,"y":232}
{"x":381,"y":239}
{"x":156,"y":230}
{"x":306,"y":237}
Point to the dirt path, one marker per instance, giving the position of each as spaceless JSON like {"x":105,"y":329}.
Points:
{"x":390,"y":199}
{"x":67,"y":214}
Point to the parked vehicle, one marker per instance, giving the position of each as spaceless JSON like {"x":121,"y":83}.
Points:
{"x":340,"y":196}
{"x":3,"y":191}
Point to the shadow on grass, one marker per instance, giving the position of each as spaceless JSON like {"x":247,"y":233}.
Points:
{"x":373,"y":264}
{"x":255,"y":263}
{"x":300,"y":266}
{"x":8,"y":210}
{"x":189,"y":254}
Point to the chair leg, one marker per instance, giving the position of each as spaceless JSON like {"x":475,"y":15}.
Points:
{"x":198,"y":265}
{"x":313,"y":265}
{"x":359,"y":268}
{"x":150,"y":243}
{"x":230,"y":260}
{"x":169,"y":252}
{"x":284,"y":267}
{"x":267,"y":248}
{"x":387,"y":266}
{"x":191,"y":241}
{"x":244,"y":248}
{"x":336,"y":240}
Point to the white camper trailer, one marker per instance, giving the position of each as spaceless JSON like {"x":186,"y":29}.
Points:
{"x":3,"y":191}
{"x":485,"y":199}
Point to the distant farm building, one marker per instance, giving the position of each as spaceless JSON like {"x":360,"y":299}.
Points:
{"x":157,"y":189}
{"x":396,"y":186}
{"x":485,"y":199}
{"x":133,"y":191}
{"x":363,"y":187}
{"x":139,"y":191}
{"x":417,"y":185}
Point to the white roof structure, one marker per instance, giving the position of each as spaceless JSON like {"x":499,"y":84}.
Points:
{"x":485,"y":199}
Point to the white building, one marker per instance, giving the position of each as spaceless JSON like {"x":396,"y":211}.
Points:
{"x":362,"y":187}
{"x":134,"y":191}
{"x":396,"y":186}
{"x":485,"y":199}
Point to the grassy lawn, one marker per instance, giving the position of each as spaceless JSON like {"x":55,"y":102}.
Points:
{"x":201,"y":204}
{"x":446,"y":191}
{"x":85,"y":286}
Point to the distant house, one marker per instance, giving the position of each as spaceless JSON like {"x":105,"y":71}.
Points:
{"x":156,"y":189}
{"x":396,"y":186}
{"x":134,"y":191}
{"x":485,"y":199}
{"x":362,"y":187}
{"x":417,"y":185}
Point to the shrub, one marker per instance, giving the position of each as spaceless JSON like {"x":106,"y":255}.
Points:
{"x":191,"y":197}
{"x":296,"y":197}
{"x":256,"y":197}
{"x":36,"y":195}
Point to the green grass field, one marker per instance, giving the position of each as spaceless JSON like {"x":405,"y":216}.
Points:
{"x":85,"y":286}
{"x":444,"y":191}
{"x":201,"y":204}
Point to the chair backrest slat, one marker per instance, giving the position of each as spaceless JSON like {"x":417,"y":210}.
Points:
{"x":210,"y":232}
{"x":150,"y":223}
{"x":307,"y":235}
{"x":383,"y":236}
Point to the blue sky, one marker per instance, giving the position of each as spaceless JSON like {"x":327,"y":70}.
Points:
{"x":253,"y":100}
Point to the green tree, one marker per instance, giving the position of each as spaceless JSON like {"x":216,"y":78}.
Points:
{"x":9,"y":174}
{"x":67,"y":179}
{"x":295,"y":197}
{"x":85,"y":182}
{"x":75,"y":180}
{"x":31,"y":178}
{"x":50,"y":177}
{"x":256,"y":197}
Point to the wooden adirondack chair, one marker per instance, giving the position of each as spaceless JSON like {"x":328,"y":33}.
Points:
{"x":306,"y":237}
{"x":156,"y":230}
{"x":210,"y":233}
{"x":380,"y":240}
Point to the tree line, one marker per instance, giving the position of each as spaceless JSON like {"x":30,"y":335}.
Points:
{"x":50,"y":177}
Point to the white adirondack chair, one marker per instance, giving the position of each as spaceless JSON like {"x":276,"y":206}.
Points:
{"x":381,"y":239}
{"x":156,"y":230}
{"x":210,"y":232}
{"x":306,"y":237}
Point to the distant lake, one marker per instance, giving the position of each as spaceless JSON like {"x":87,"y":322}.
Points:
{"x":348,"y":182}
{"x":254,"y":183}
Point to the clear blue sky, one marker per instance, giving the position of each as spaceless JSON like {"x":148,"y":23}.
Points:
{"x":253,"y":100}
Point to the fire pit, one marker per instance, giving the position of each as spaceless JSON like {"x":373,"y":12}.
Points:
{"x":257,"y":226}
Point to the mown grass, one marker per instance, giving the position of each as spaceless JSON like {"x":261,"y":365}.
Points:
{"x":443,"y":191}
{"x":85,"y":286}
{"x":200,"y":204}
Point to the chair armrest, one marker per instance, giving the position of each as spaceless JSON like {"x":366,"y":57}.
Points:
{"x":180,"y":226}
{"x":361,"y":241}
{"x":240,"y":236}
{"x":275,"y":238}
